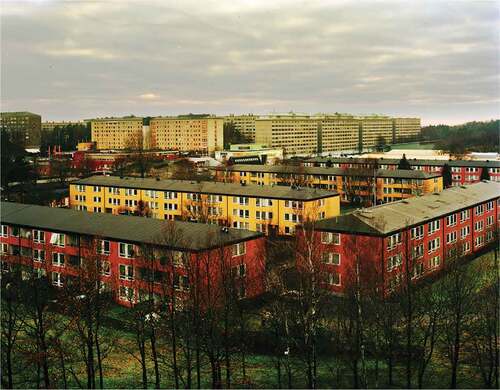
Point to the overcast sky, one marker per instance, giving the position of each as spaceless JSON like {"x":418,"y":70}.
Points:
{"x":83,"y":59}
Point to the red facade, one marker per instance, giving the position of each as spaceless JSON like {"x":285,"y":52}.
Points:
{"x":122,"y":264}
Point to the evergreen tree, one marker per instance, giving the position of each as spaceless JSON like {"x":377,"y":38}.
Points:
{"x":446,"y":173}
{"x":404,"y":164}
{"x":485,"y":175}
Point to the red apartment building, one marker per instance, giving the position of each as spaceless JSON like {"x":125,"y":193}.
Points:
{"x":423,"y":233}
{"x":462,"y":171}
{"x":136,"y":255}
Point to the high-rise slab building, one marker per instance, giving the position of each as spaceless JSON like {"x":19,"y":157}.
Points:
{"x":374,"y":130}
{"x":24,"y":128}
{"x":406,"y":129}
{"x":199,"y":134}
{"x":117,"y":133}
{"x":245,"y":124}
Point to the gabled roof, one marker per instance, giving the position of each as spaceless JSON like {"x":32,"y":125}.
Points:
{"x":208,"y":187}
{"x":189,"y":236}
{"x":392,"y":217}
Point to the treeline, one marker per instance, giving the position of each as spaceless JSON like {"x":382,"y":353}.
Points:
{"x":469,"y":137}
{"x":203,"y":335}
{"x":67,"y":136}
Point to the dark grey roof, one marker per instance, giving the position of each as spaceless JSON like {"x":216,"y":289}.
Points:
{"x":207,"y":187}
{"x":189,"y":236}
{"x":392,"y":217}
{"x":296,"y":169}
{"x":412,"y":161}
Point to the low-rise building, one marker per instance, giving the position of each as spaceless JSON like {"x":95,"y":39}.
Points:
{"x":463,"y":171}
{"x":357,"y":185}
{"x":250,"y":152}
{"x":137,"y":258}
{"x":274,"y":210}
{"x":418,"y":235}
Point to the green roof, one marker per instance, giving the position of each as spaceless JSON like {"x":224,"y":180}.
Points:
{"x":208,"y":187}
{"x":190,"y":236}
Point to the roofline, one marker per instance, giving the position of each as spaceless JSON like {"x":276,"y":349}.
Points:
{"x":333,"y":193}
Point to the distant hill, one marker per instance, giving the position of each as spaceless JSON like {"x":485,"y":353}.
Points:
{"x":459,"y":139}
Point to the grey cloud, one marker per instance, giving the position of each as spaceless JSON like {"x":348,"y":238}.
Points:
{"x":71,"y":60}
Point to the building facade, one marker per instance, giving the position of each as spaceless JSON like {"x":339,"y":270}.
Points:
{"x":463,"y":171}
{"x":271,"y":210}
{"x":422,"y":234}
{"x":245,"y":124}
{"x":117,"y":133}
{"x":406,"y":129}
{"x":204,"y":134}
{"x":137,"y":258}
{"x":354,"y":185}
{"x":374,"y":129}
{"x":23,"y":127}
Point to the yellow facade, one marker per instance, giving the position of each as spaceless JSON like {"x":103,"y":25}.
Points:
{"x":339,"y":133}
{"x":348,"y":186}
{"x":245,"y":124}
{"x":117,"y":133}
{"x":406,"y":129}
{"x":265,"y":213}
{"x":374,"y":127}
{"x":187,"y":134}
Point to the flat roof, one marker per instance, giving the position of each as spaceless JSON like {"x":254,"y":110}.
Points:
{"x":395,"y":216}
{"x":412,"y":161}
{"x":297,"y":169}
{"x":189,"y":236}
{"x":208,"y":187}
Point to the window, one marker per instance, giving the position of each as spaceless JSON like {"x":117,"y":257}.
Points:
{"x":263,"y":202}
{"x":331,"y":258}
{"x":393,"y":240}
{"x":242,"y":200}
{"x":417,"y":251}
{"x":170,"y":195}
{"x":334,"y":279}
{"x":489,"y":220}
{"x":479,"y":210}
{"x":418,"y":270}
{"x":417,"y":232}
{"x":151,"y":194}
{"x":479,"y":241}
{"x":130,"y":192}
{"x":126,"y":250}
{"x":489,"y":206}
{"x":97,"y":199}
{"x":126,"y":272}
{"x":105,"y":268}
{"x":451,"y":237}
{"x":74,"y":261}
{"x":181,"y":282}
{"x":239,"y":271}
{"x":103,"y":247}
{"x":126,"y":294}
{"x":433,"y":245}
{"x":433,"y":226}
{"x":464,"y":215}
{"x":330,"y":238}
{"x":5,"y":248}
{"x":293,"y":204}
{"x":479,"y":226}
{"x":394,"y":261}
{"x":14,"y":231}
{"x":193,"y":196}
{"x":97,"y":189}
{"x":38,"y":255}
{"x":38,"y":236}
{"x":489,"y":236}
{"x":239,"y":249}
{"x":434,"y":261}
{"x":464,"y":232}
{"x":451,"y":220}
{"x":466,"y":247}
{"x":80,"y":188}
{"x":58,"y":239}
{"x":114,"y":190}
{"x":57,"y":279}
{"x":5,"y":231}
{"x":58,"y":259}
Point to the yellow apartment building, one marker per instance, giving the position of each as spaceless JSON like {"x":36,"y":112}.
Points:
{"x":373,"y":127}
{"x":406,"y":129}
{"x":338,"y":132}
{"x":117,"y":133}
{"x":187,"y":134}
{"x":295,"y":134}
{"x":353,"y":185}
{"x":274,"y":210}
{"x":245,"y":124}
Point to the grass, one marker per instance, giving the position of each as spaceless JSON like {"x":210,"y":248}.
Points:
{"x":413,"y":146}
